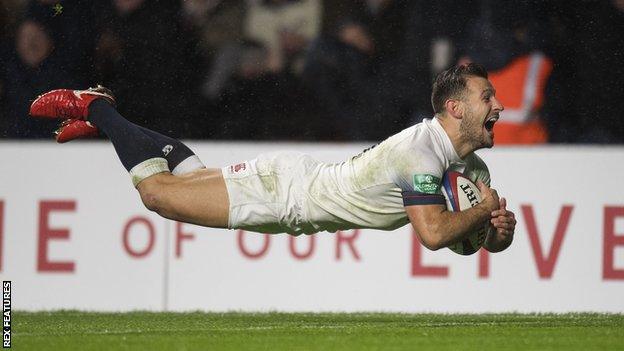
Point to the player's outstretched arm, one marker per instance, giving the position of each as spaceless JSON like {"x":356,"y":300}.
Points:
{"x":501,"y":232}
{"x":437,"y":227}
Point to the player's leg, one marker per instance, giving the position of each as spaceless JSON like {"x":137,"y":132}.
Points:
{"x":197,"y":195}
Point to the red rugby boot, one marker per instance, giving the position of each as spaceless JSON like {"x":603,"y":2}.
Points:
{"x":72,"y":107}
{"x":68,"y":104}
{"x":71,"y":129}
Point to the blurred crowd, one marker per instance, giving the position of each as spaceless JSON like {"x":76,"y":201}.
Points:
{"x":329,"y":70}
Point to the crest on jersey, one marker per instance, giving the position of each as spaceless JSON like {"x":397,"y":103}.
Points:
{"x":238,"y":167}
{"x":426,"y":183}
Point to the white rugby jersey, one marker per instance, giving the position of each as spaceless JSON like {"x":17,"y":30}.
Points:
{"x":371,"y":189}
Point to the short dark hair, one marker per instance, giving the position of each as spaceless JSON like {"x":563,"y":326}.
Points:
{"x":452,"y":83}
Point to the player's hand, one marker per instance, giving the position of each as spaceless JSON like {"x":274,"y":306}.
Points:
{"x":489,"y":197}
{"x":503,"y":220}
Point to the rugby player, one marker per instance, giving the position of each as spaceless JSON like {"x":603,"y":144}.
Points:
{"x":385,"y":187}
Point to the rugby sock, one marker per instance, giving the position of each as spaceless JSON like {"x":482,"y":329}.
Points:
{"x":180,"y":158}
{"x":138,"y":152}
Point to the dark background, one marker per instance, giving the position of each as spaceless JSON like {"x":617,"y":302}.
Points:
{"x":322,"y":70}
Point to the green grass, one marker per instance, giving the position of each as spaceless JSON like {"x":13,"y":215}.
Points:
{"x":71,"y":330}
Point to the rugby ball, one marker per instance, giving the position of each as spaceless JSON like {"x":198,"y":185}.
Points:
{"x":461,"y":194}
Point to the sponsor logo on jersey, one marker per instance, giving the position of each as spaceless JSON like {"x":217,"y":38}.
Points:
{"x":426,"y":183}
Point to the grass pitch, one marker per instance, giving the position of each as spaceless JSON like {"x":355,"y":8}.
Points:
{"x":70,"y":330}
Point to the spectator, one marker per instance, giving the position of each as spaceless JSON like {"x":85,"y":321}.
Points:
{"x":218,"y":21}
{"x":147,"y":58}
{"x":284,"y":27}
{"x":10,"y":11}
{"x":252,"y":82}
{"x":369,"y":71}
{"x":219,"y":24}
{"x":372,"y":73}
{"x":73,"y":31}
{"x":506,"y":41}
{"x":260,"y":104}
{"x":30,"y":70}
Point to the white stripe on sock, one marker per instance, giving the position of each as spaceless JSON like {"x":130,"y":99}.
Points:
{"x":148,"y":168}
{"x":190,"y":164}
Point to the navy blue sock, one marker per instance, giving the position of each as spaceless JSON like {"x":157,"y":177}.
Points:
{"x":132,"y":145}
{"x":175,"y":152}
{"x":135,"y":144}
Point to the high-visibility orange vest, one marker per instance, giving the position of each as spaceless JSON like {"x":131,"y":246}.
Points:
{"x":520,"y":88}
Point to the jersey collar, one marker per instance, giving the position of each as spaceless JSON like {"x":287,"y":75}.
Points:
{"x":447,"y":145}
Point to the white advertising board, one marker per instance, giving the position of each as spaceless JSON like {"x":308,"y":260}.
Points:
{"x":74,"y":235}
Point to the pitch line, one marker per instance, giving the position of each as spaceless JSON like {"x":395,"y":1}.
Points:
{"x":275,"y":327}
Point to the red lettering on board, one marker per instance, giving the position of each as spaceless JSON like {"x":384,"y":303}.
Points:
{"x":484,"y":263}
{"x":546,"y":263}
{"x":349,"y":241}
{"x":418,"y":269}
{"x":151,"y":233}
{"x":293,"y":249}
{"x":240,"y":240}
{"x":180,"y":236}
{"x":46,"y":234}
{"x":610,"y":241}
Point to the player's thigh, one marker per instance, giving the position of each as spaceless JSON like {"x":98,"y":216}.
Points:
{"x":198,"y":197}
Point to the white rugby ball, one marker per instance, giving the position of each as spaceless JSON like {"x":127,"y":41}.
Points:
{"x":461,"y":194}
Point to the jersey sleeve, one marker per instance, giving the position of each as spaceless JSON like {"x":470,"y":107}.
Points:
{"x":417,"y":171}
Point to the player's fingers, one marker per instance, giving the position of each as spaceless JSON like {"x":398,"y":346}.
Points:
{"x":497,"y":221}
{"x":502,"y":219}
{"x":503,"y":225}
{"x":499,"y":212}
{"x":504,"y":222}
{"x":511,"y":216}
{"x":503,"y":203}
{"x":504,"y":213}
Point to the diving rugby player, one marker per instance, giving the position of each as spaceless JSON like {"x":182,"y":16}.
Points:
{"x":385,"y":187}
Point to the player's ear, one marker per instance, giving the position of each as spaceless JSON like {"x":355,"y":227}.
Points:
{"x":455,"y":108}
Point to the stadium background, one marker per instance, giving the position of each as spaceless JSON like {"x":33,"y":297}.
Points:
{"x":316,"y":70}
{"x":339,"y":76}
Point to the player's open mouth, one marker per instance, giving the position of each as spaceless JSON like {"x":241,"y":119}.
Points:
{"x":489,"y":123}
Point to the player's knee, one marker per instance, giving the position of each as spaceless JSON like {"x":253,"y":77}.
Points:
{"x":151,"y":201}
{"x":152,"y":196}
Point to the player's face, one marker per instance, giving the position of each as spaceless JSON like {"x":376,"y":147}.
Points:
{"x":481,"y":112}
